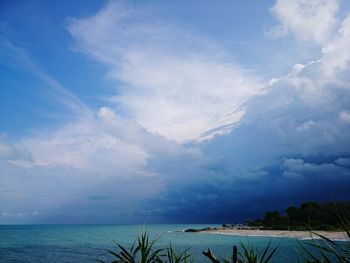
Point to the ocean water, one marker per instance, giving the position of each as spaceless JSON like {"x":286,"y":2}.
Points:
{"x":87,"y":243}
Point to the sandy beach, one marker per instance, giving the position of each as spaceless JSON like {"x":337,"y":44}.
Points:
{"x":278,"y":233}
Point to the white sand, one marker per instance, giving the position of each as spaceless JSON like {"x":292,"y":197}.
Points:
{"x":279,"y":233}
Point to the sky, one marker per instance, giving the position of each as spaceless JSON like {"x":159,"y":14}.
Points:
{"x":156,"y":111}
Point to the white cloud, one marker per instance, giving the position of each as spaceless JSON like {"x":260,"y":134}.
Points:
{"x":321,"y":82}
{"x":173,"y":83}
{"x":344,"y":116}
{"x":130,"y":132}
{"x":85,"y":144}
{"x":336,"y":53}
{"x":11,"y":153}
{"x":307,"y":20}
{"x":306,"y":126}
{"x":183,"y":99}
{"x":298,"y":168}
{"x":7,"y":152}
{"x":106,"y":145}
{"x":103,"y":155}
{"x":305,"y":110}
{"x":307,"y":83}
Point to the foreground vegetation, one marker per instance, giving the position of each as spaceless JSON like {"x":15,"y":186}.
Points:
{"x":321,"y":250}
{"x":144,"y":251}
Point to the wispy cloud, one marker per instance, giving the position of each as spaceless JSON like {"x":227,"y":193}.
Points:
{"x":19,"y":57}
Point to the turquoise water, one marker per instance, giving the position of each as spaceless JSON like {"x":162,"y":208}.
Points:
{"x":86,"y":243}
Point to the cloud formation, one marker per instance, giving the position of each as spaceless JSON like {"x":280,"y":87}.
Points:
{"x":158,"y":66}
{"x":306,"y":20}
{"x":336,"y":54}
{"x":187,"y":127}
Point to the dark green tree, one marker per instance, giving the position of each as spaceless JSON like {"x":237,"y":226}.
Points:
{"x":272,"y":219}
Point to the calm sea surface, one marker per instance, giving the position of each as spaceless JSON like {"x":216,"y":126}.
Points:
{"x":86,"y":243}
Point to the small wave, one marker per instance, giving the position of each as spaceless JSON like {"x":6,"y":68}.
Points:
{"x":175,"y":231}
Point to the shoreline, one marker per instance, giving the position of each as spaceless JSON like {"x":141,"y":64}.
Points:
{"x":332,"y":235}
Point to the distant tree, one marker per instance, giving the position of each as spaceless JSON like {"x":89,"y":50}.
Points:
{"x":310,"y":213}
{"x":272,"y":218}
{"x":292,"y":213}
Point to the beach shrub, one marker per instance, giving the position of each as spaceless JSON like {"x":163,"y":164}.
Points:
{"x":144,"y":251}
{"x":179,"y":257}
{"x":252,"y":254}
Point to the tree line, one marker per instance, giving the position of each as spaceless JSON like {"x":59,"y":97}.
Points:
{"x":314,"y":215}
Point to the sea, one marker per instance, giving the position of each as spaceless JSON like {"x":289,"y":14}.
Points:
{"x":88,"y":243}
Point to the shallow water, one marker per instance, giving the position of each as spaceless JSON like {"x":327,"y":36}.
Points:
{"x":86,"y":243}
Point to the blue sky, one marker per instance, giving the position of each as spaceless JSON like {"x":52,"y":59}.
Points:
{"x":171,"y":111}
